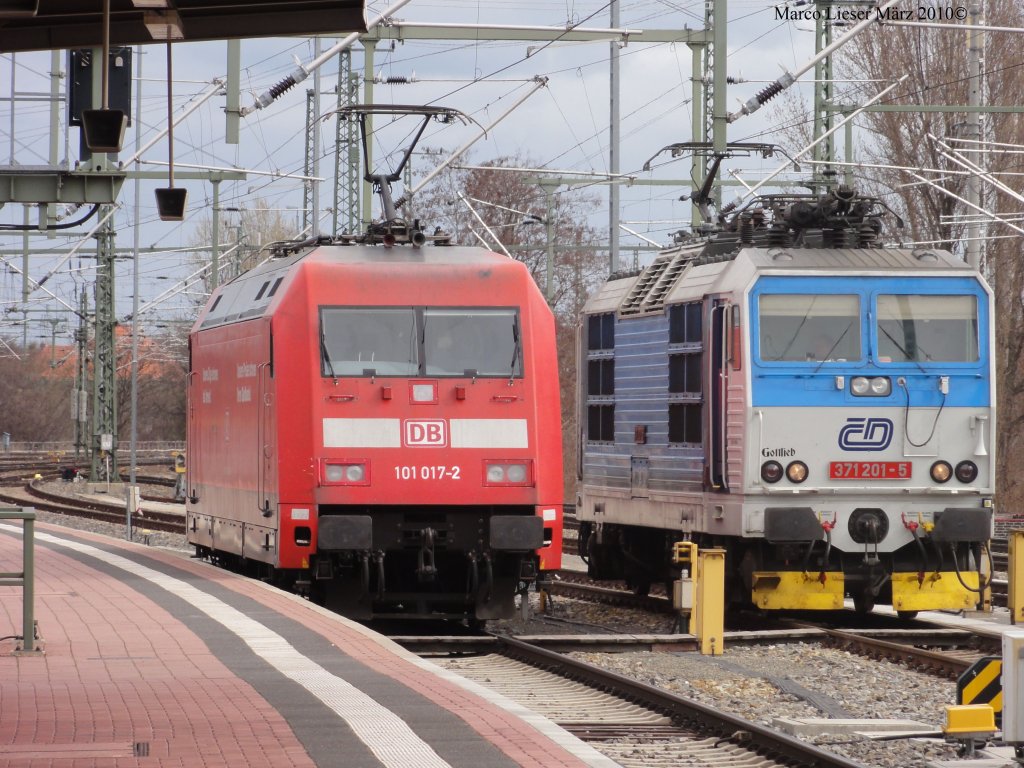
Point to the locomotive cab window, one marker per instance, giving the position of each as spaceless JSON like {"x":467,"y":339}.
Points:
{"x":924,"y":329}
{"x":809,"y":327}
{"x":472,"y":342}
{"x":363,"y":341}
{"x":420,"y":341}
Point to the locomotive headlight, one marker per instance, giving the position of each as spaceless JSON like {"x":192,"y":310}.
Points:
{"x":877,"y":386}
{"x":771,"y":471}
{"x":423,"y":391}
{"x":941,"y":471}
{"x":516,"y":473}
{"x":796,"y":472}
{"x":881,"y":386}
{"x":966,"y":471}
{"x":508,"y":473}
{"x":345,"y":473}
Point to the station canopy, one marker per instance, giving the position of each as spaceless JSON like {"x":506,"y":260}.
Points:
{"x":33,"y":25}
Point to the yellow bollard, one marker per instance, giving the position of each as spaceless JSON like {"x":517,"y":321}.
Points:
{"x":1015,"y":577}
{"x":710,"y":601}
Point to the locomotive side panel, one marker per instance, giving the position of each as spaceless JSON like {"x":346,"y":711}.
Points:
{"x":289,"y":450}
{"x":663,"y":393}
{"x":230,"y":482}
{"x":634,"y":447}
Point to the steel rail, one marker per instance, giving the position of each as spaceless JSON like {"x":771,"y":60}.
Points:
{"x":686,"y":712}
{"x":108,"y":513}
{"x":943,"y":663}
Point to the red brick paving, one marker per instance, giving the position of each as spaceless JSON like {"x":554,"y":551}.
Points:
{"x":108,"y":680}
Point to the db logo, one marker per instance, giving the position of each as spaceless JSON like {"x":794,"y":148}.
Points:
{"x":426,"y":433}
{"x":861,"y":434}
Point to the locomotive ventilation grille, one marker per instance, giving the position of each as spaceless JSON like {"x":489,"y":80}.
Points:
{"x":648,"y":294}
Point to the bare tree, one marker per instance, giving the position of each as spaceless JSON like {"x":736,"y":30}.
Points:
{"x":256,"y":226}
{"x":515,"y":211}
{"x":162,"y":372}
{"x":35,"y":399}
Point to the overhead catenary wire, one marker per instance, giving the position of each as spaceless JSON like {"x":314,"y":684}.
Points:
{"x":274,"y":188}
{"x":303,"y":71}
{"x":821,"y":138}
{"x":539,"y":83}
{"x":497,"y":240}
{"x":788,"y":78}
{"x":974,"y":169}
{"x":949,"y":193}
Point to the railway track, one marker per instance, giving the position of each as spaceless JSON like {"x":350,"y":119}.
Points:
{"x":30,"y":494}
{"x":568,"y":583}
{"x":960,"y":649}
{"x":577,"y":585}
{"x":631,"y":722}
{"x":915,"y":647}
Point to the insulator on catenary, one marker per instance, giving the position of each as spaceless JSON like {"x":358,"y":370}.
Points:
{"x":768,"y":93}
{"x":281,"y":87}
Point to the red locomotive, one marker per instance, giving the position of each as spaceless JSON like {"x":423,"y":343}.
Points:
{"x":377,"y":426}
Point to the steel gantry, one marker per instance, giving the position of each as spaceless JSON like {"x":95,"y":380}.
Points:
{"x":103,"y":464}
{"x":346,"y":151}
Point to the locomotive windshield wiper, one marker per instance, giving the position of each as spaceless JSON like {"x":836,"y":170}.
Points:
{"x":515,"y":349}
{"x":326,"y":354}
{"x":910,"y":359}
{"x":796,"y":333}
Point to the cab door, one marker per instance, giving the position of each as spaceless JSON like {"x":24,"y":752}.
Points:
{"x":266,"y":433}
{"x":718,"y":346}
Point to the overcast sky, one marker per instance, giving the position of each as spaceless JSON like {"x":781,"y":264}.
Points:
{"x":563,"y":126}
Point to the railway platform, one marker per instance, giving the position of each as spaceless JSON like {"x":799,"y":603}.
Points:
{"x":150,"y":658}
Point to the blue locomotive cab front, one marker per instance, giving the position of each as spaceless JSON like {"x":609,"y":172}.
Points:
{"x":869,"y":465}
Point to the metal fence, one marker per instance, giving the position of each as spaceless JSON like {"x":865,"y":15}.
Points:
{"x":24,"y":578}
{"x":59,"y":448}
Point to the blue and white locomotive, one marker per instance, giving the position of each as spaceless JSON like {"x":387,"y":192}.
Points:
{"x":819,"y":405}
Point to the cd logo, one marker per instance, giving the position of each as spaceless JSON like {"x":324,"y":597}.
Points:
{"x":860,"y":434}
